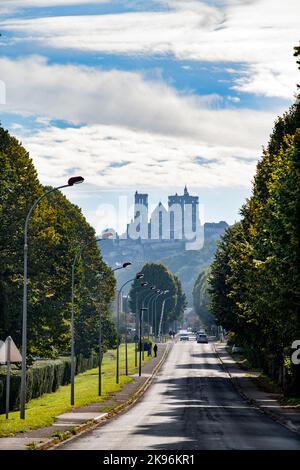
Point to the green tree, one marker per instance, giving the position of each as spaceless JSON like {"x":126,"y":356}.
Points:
{"x":56,"y":229}
{"x":158,"y":275}
{"x":201,"y":299}
{"x":255,"y":275}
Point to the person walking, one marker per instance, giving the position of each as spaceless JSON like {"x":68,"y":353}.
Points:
{"x":155,"y":350}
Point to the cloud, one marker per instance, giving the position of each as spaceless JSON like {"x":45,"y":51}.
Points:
{"x":10,"y":6}
{"x":268,"y":81}
{"x":259,"y":33}
{"x":111,"y":157}
{"x":83,"y":95}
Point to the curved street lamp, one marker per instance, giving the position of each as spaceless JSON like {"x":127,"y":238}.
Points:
{"x":143,"y":305}
{"x":153,"y":288}
{"x":125,"y":265}
{"x":162,"y":312}
{"x":149,"y":311}
{"x":71,"y":182}
{"x":138,"y":276}
{"x":78,"y":253}
{"x":159,"y":293}
{"x":144,"y":309}
{"x":143,"y":284}
{"x":150,"y":306}
{"x":140,"y":341}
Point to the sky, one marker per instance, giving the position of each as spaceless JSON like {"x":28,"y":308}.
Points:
{"x":149,"y":95}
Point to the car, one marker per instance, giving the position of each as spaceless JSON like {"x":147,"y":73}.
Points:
{"x":184,"y":338}
{"x":202,"y":338}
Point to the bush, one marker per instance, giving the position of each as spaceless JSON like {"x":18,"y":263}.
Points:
{"x":42,"y":377}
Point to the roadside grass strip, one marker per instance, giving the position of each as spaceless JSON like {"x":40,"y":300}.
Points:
{"x":41,"y":412}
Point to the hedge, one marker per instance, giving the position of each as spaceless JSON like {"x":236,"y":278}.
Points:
{"x":42,"y":377}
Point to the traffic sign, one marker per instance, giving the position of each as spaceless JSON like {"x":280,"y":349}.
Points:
{"x":15,"y":355}
{"x":9,"y":353}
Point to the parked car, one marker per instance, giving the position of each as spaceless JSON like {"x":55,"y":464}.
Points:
{"x":202,"y":338}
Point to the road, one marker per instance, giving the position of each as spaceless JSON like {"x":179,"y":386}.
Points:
{"x":191,"y":405}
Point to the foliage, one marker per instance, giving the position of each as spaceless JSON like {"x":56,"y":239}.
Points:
{"x":56,"y":229}
{"x":201,"y":299}
{"x":255,"y":274}
{"x":157,"y":274}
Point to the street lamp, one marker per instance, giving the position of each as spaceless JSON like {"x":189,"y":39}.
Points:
{"x":159,"y":293}
{"x":78,"y":253}
{"x":143,"y":284}
{"x":138,"y":276}
{"x":140,"y":342}
{"x":71,"y":182}
{"x":149,"y":313}
{"x":151,"y":287}
{"x":125,"y":265}
{"x":144,"y":300}
{"x":143,"y":305}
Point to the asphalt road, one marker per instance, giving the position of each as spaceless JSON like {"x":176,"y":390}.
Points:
{"x":190,"y":405}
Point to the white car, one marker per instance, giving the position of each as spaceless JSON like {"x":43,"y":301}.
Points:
{"x":184,"y":338}
{"x":202,"y":338}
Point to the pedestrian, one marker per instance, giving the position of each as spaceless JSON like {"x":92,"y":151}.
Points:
{"x":149,"y":349}
{"x":155,"y":350}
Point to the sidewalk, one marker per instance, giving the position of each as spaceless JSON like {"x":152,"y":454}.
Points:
{"x":267,"y":402}
{"x":88,"y":416}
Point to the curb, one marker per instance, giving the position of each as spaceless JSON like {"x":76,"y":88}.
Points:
{"x":92,"y":424}
{"x":278,"y":419}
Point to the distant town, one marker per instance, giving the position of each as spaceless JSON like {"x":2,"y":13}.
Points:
{"x":166,"y":232}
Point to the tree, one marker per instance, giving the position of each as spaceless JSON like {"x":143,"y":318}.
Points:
{"x":201,"y":299}
{"x":158,"y":275}
{"x":56,"y":229}
{"x":255,"y":275}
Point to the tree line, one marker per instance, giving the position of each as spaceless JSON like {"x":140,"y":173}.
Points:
{"x":56,"y":230}
{"x":157,"y":275}
{"x":252,"y":287}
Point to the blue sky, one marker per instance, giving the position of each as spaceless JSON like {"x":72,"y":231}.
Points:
{"x":147,"y":95}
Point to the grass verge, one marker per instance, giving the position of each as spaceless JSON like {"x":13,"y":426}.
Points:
{"x":41,"y":412}
{"x":263,"y":381}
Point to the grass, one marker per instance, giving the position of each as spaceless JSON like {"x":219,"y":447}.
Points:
{"x":41,"y":412}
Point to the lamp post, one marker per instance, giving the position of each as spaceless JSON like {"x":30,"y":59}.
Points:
{"x":77,"y":255}
{"x":125,"y":265}
{"x":150,"y":306}
{"x":71,"y":182}
{"x":155,"y":307}
{"x":143,"y":304}
{"x":162,"y":312}
{"x":143,"y":284}
{"x":158,"y":293}
{"x":138,"y":276}
{"x":140,"y":341}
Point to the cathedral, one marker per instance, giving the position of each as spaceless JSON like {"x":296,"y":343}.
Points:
{"x":165,"y":231}
{"x":179,"y":222}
